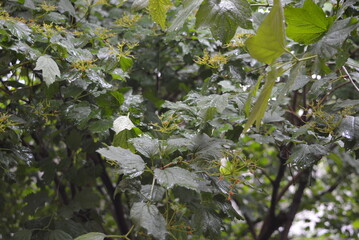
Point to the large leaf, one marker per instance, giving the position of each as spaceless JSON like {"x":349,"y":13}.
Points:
{"x":260,"y":106}
{"x":223,"y":17}
{"x":170,"y":177}
{"x":59,"y":235}
{"x":269,"y":42}
{"x":158,"y":10}
{"x":23,"y":235}
{"x":207,"y":221}
{"x":147,"y":146}
{"x":188,"y":7}
{"x":305,"y":156}
{"x":130,"y":164}
{"x":66,"y":6}
{"x":332,"y":41}
{"x":92,"y":236}
{"x":48,"y":67}
{"x":307,"y":24}
{"x":148,"y":217}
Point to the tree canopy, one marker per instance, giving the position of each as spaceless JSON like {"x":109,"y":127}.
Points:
{"x":194,"y":119}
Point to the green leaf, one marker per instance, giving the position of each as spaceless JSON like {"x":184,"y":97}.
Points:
{"x":49,"y":68}
{"x":30,"y":4}
{"x":130,"y":164}
{"x":260,"y":106}
{"x":92,"y":236}
{"x":188,"y":7}
{"x":332,"y":41}
{"x":23,"y":235}
{"x":307,"y":24}
{"x":207,"y":222}
{"x":148,"y":217}
{"x":269,"y":42}
{"x":158,"y":10}
{"x":147,"y":146}
{"x":224,"y":17}
{"x":126,"y":63}
{"x":305,"y":156}
{"x":349,"y":128}
{"x":59,"y":235}
{"x":139,"y":4}
{"x":170,"y":177}
{"x":66,"y":6}
{"x":18,"y":29}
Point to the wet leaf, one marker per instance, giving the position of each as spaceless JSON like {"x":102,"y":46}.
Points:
{"x":49,"y":69}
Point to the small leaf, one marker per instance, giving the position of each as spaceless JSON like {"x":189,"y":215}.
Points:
{"x":188,"y":7}
{"x":130,"y":164}
{"x":307,"y":24}
{"x":260,"y":106}
{"x":23,"y":235}
{"x":126,"y":63}
{"x":158,"y":10}
{"x":49,"y":68}
{"x":148,"y":217}
{"x":332,"y":41}
{"x":224,"y":17}
{"x":92,"y":236}
{"x":170,"y":177}
{"x":121,"y":123}
{"x":59,"y":235}
{"x":269,"y":42}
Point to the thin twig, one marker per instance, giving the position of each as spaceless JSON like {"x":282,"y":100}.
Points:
{"x":350,"y":78}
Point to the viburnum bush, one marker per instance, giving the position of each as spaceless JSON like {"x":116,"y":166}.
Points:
{"x":195,"y":119}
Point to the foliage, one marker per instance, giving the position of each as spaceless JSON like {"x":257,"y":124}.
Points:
{"x":133,"y":120}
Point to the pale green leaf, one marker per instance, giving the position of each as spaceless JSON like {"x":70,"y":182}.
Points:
{"x":332,"y":41}
{"x":188,"y":7}
{"x":269,"y":42}
{"x":92,"y":236}
{"x":260,"y":106}
{"x":48,"y":67}
{"x":176,"y":176}
{"x":158,"y":10}
{"x":139,"y":4}
{"x":130,"y":164}
{"x":121,"y":123}
{"x":307,"y":24}
{"x":59,"y":235}
{"x":224,"y":17}
{"x":148,"y":217}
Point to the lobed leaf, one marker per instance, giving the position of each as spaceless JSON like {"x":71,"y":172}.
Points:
{"x":173,"y":176}
{"x":130,"y":164}
{"x":269,"y":42}
{"x":49,"y":68}
{"x":188,"y":7}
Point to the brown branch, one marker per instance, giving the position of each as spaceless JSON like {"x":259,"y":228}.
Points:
{"x":286,"y":187}
{"x":251,"y":226}
{"x":297,"y":198}
{"x":116,"y":200}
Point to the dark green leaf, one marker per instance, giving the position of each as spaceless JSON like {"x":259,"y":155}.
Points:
{"x":332,"y":41}
{"x":307,"y":24}
{"x":23,"y":235}
{"x":130,"y":164}
{"x":207,"y":222}
{"x":92,"y":236}
{"x":172,"y":176}
{"x":59,"y":235}
{"x":269,"y":42}
{"x":148,"y":217}
{"x":18,"y":29}
{"x":188,"y":7}
{"x":224,"y":17}
{"x":305,"y":156}
{"x":147,"y":146}
{"x":349,"y":128}
{"x":66,"y":6}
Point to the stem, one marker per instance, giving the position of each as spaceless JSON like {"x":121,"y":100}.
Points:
{"x":350,"y":78}
{"x":152,"y":187}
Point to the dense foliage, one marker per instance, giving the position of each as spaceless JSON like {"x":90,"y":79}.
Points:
{"x":134,"y":120}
